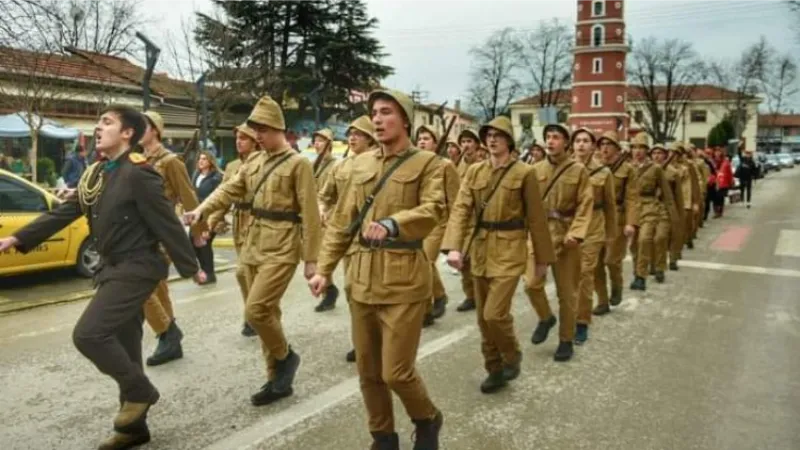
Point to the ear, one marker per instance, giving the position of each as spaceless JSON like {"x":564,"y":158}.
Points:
{"x":127,"y":134}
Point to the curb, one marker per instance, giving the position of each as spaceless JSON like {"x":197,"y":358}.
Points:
{"x":223,"y":242}
{"x":24,"y":305}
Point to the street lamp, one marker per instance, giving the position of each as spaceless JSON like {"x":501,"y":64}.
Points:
{"x":151,"y":56}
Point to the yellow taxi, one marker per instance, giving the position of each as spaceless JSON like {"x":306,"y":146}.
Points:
{"x":21,"y":202}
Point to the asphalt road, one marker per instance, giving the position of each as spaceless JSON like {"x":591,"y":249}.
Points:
{"x":703,"y":361}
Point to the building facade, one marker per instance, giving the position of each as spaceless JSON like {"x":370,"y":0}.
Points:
{"x":778,"y":133}
{"x":598,"y":94}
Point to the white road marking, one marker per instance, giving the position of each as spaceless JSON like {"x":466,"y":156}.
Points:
{"x":742,"y":269}
{"x":788,"y":243}
{"x":276,"y":424}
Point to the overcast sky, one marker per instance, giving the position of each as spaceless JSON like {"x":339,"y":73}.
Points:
{"x":428,"y":40}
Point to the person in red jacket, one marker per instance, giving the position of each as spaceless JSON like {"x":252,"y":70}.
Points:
{"x":724,"y":180}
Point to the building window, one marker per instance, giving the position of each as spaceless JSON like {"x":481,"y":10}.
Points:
{"x":638,"y":116}
{"x":597,"y":99}
{"x":597,"y":35}
{"x":598,"y":9}
{"x":597,"y":65}
{"x":562,"y":116}
{"x":697,"y":116}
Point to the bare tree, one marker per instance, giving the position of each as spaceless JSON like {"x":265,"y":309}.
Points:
{"x":103,"y":26}
{"x":743,"y":80}
{"x":780,"y":83}
{"x":663,"y":74}
{"x":495,"y":65}
{"x":547,"y":53}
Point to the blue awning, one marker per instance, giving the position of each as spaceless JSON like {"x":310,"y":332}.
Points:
{"x":15,"y":126}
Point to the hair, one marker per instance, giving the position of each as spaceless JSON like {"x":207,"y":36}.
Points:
{"x":130,"y":119}
{"x":211,"y":160}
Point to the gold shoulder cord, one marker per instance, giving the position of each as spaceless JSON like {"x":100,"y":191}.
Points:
{"x":89,"y":192}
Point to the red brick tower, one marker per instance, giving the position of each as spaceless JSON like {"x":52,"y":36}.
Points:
{"x":599,"y":81}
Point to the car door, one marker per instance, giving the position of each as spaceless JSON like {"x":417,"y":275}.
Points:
{"x":20,"y":204}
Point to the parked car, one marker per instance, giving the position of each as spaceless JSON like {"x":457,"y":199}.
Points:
{"x":774,"y":162}
{"x":786,"y":160}
{"x":763,"y":162}
{"x":796,"y":157}
{"x":21,"y":202}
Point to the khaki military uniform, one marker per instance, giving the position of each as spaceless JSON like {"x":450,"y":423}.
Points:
{"x":667,"y":225}
{"x":569,"y":212}
{"x":602,"y":228}
{"x":467,"y":284}
{"x":628,"y":208}
{"x":391,"y":283}
{"x":702,"y":177}
{"x":179,"y":190}
{"x":433,"y":243}
{"x":656,"y":197}
{"x":322,"y":166}
{"x":514,"y":213}
{"x":284,"y":229}
{"x":690,"y":189}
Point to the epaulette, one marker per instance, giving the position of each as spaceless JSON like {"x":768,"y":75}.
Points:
{"x":137,"y":158}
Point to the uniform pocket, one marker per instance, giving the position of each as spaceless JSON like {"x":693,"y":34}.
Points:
{"x":403,"y":188}
{"x":401,"y":268}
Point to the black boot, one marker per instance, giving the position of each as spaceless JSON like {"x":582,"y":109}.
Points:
{"x":466,"y":305}
{"x":169,"y":346}
{"x":581,"y":333}
{"x":247,"y":330}
{"x":690,"y":244}
{"x":652,"y":271}
{"x":673,"y":265}
{"x":428,"y":320}
{"x":616,"y":296}
{"x":511,"y":370}
{"x":660,"y":277}
{"x":329,"y":301}
{"x":542,"y":329}
{"x":267,"y":394}
{"x":639,"y":284}
{"x":426,"y":435}
{"x":494,"y":382}
{"x":439,"y":307}
{"x":351,"y":356}
{"x":563,"y":352}
{"x":285,"y":370}
{"x":385,"y":441}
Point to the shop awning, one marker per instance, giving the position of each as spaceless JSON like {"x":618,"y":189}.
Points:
{"x":15,"y":126}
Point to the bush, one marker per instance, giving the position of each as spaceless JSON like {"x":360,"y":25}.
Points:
{"x":721,"y":134}
{"x":46,"y":171}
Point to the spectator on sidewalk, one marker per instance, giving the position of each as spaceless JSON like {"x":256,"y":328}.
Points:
{"x":747,"y":172}
{"x":74,"y":166}
{"x":724,"y":180}
{"x":711,"y":182}
{"x":205,"y":180}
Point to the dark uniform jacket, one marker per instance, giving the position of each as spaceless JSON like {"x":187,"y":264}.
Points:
{"x":128,"y":221}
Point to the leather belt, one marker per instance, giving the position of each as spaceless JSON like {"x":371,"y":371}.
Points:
{"x":600,"y":205}
{"x":391,"y":245}
{"x":647,"y":194}
{"x":560,"y":215}
{"x":278,"y":216}
{"x":505,"y":225}
{"x":243,"y":206}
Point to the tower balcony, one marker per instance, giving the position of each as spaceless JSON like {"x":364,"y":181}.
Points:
{"x":597,"y":42}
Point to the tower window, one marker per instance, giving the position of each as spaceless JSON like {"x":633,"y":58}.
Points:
{"x":598,"y":9}
{"x":597,"y":99}
{"x":597,"y":35}
{"x":597,"y":65}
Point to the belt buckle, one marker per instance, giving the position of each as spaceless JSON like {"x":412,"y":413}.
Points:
{"x":374,"y":245}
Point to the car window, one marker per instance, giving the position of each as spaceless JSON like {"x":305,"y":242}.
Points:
{"x":16,"y":197}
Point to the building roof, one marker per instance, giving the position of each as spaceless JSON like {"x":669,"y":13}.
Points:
{"x":779,"y":120}
{"x":700,"y":92}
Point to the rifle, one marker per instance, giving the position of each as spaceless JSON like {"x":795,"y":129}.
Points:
{"x":441,"y":145}
{"x":190,"y":150}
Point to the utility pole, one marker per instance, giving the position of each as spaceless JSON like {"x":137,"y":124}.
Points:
{"x":151,"y":57}
{"x":201,"y":93}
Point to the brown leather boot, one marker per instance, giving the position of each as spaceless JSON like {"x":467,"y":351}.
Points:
{"x":124,"y":441}
{"x":132,"y":414}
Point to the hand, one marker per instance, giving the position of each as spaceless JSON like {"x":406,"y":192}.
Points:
{"x":200,"y":277}
{"x":8,"y":242}
{"x":540,"y":270}
{"x":570,"y":242}
{"x":221,"y":227}
{"x":317,"y":284}
{"x":199,"y":241}
{"x":309,"y":270}
{"x":696,"y":208}
{"x":191,"y":217}
{"x":629,"y":231}
{"x":206,"y":235}
{"x":323,"y":216}
{"x":455,"y":259}
{"x":375,"y":232}
{"x":66,"y":193}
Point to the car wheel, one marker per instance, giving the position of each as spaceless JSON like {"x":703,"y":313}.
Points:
{"x":88,"y":259}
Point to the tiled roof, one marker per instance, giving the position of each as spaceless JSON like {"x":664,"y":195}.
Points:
{"x":779,"y":120}
{"x":57,"y":66}
{"x":699,"y":92}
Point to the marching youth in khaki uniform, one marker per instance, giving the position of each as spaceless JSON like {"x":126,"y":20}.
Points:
{"x":396,"y":199}
{"x":669,"y":230}
{"x":178,"y":189}
{"x":359,"y":140}
{"x":691,"y":190}
{"x":470,"y":143}
{"x":427,"y":139}
{"x":284,"y":229}
{"x":246,"y":143}
{"x":703,"y":172}
{"x":568,"y":200}
{"x":482,"y":154}
{"x":533,"y":155}
{"x":498,"y":207}
{"x":655,"y":196}
{"x":129,"y":216}
{"x":602,"y":228}
{"x":454,"y":153}
{"x":323,"y":144}
{"x":627,"y":205}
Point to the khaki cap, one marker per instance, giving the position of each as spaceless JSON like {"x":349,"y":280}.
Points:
{"x":470,"y":133}
{"x":398,"y":97}
{"x":268,"y":112}
{"x":660,"y":147}
{"x":676,"y":147}
{"x":452,"y":141}
{"x":641,"y":139}
{"x":325,"y":133}
{"x":429,"y":130}
{"x":247,"y":131}
{"x":156,"y":121}
{"x":502,"y":124}
{"x":584,"y":130}
{"x":556,"y":127}
{"x":610,"y":136}
{"x":364,"y":125}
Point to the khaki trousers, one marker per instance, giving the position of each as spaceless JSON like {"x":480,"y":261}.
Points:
{"x":386,"y":339}
{"x":467,"y":281}
{"x":241,"y":277}
{"x":158,"y":308}
{"x":661,"y":244}
{"x":610,"y":258}
{"x":268,"y":282}
{"x":688,"y":226}
{"x":642,"y":247}
{"x":493,"y":300}
{"x":431,"y":246}
{"x":566,"y":272}
{"x":590,"y":260}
